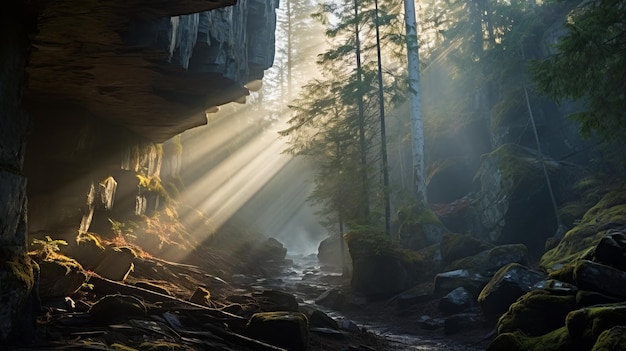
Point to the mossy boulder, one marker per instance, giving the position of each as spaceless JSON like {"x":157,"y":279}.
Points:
{"x":580,"y":241}
{"x":447,"y":281}
{"x":419,"y":227}
{"x":381,"y":268}
{"x":582,"y":332}
{"x":60,"y":276}
{"x":283,"y":329}
{"x":506,"y":286}
{"x":457,"y":246}
{"x":538,"y":312}
{"x":611,"y":249}
{"x":271,"y":300}
{"x":489,"y":261}
{"x":113,"y":308}
{"x":329,"y":252}
{"x":586,"y":324}
{"x":513,"y":205}
{"x":556,"y":340}
{"x":597,"y":277}
{"x":611,"y":339}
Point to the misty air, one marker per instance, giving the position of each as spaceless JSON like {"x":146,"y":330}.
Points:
{"x":280,"y":175}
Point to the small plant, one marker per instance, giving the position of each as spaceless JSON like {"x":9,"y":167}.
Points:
{"x":49,"y":246}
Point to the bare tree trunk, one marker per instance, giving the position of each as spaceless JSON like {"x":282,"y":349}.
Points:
{"x":383,"y":133}
{"x":362,"y":141}
{"x":417,"y":124}
{"x":289,"y":50}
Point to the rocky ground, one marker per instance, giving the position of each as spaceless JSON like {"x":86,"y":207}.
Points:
{"x":206,"y":303}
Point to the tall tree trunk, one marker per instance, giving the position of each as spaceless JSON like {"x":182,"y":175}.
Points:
{"x":361,"y":109}
{"x":383,"y":133}
{"x":417,"y":124}
{"x":289,"y":50}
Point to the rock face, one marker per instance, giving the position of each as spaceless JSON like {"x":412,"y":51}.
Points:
{"x":513,"y":204}
{"x":16,"y":272}
{"x":104,"y":77}
{"x":152,"y":69}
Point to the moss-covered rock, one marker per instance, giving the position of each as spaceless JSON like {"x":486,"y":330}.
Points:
{"x":506,"y":286}
{"x":419,"y":227}
{"x":284,"y":329}
{"x":564,"y":274}
{"x":608,"y":213}
{"x":537,"y":313}
{"x":512,"y":204}
{"x":489,"y":261}
{"x":271,"y":300}
{"x":594,"y":276}
{"x":381,"y":268}
{"x":457,"y":246}
{"x":586,"y":324}
{"x":611,"y":339}
{"x":117,"y":307}
{"x":586,"y":298}
{"x":557,"y":340}
{"x":60,"y":276}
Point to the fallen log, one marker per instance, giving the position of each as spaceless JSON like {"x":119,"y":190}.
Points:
{"x":109,"y":287}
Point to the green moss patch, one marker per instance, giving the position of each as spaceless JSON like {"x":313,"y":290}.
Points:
{"x":557,"y":340}
{"x":588,"y":323}
{"x":536,"y":313}
{"x":456,"y":246}
{"x":609,"y":212}
{"x":611,"y":339}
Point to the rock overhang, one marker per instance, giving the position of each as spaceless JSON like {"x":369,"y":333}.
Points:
{"x":153,"y":68}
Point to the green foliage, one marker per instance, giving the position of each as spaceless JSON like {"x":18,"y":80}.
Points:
{"x":590,"y":66}
{"x":611,"y":209}
{"x":335,"y":121}
{"x":368,"y":241}
{"x":48,"y":246}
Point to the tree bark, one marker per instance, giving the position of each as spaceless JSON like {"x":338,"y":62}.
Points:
{"x":417,"y":124}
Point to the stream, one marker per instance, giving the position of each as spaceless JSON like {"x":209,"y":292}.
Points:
{"x":305,"y":279}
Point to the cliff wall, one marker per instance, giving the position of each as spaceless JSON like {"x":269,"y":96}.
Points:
{"x":85,"y":82}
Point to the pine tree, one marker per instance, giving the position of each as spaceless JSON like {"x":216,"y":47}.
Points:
{"x":590,"y":66}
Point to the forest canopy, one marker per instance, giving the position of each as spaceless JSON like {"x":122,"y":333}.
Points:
{"x":590,"y":66}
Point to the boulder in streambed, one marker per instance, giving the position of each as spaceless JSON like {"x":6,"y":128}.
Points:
{"x":457,"y":246}
{"x":582,"y":332}
{"x":334,"y":299}
{"x":489,"y":261}
{"x":275,"y":301}
{"x":329,"y":253}
{"x":611,"y":339}
{"x":538,"y":312}
{"x":600,"y":278}
{"x":506,"y":286}
{"x":289,"y":330}
{"x":448,"y":281}
{"x":611,"y":250}
{"x":319,"y":319}
{"x":418,"y":294}
{"x":605,"y":218}
{"x":382,"y":269}
{"x":456,"y":301}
